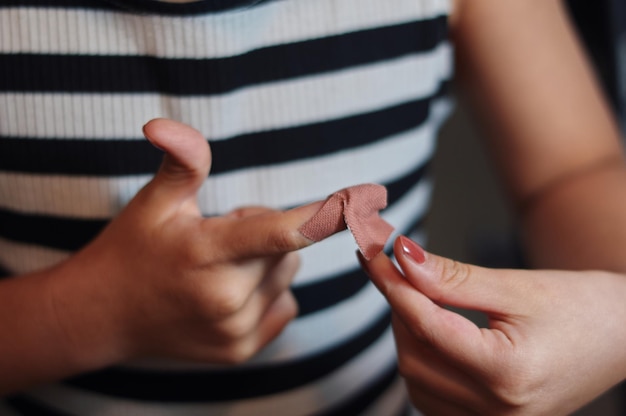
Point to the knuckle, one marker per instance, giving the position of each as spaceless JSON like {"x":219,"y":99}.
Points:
{"x":286,"y":307}
{"x":284,"y":240}
{"x":239,"y":353}
{"x":405,"y":367}
{"x":515,"y":388}
{"x":453,"y":273}
{"x":248,"y":211}
{"x":194,"y":252}
{"x":511,"y":397}
{"x":291,"y":307}
{"x":225,"y":302}
{"x":236,"y":328}
{"x":292,"y":262}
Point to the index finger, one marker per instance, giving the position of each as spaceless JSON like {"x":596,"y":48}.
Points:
{"x":356,"y":207}
{"x":264,"y":234}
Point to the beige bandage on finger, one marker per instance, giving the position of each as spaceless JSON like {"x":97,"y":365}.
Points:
{"x":357,"y":208}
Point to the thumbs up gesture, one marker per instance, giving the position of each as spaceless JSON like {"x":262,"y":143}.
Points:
{"x":161,"y":280}
{"x":554,"y":341}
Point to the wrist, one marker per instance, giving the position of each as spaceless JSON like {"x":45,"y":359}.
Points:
{"x":52,"y":329}
{"x":87,"y":316}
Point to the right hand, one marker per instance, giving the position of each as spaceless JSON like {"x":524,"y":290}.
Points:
{"x":554,"y":340}
{"x":161,"y":280}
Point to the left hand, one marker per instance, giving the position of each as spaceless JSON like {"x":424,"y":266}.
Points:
{"x":555,"y":339}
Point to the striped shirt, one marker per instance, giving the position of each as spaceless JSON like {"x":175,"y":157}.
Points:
{"x":298,"y":98}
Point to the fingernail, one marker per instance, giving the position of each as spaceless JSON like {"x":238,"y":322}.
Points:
{"x":412,"y":250}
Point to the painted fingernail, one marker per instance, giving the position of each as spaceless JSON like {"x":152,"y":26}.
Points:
{"x":412,"y":250}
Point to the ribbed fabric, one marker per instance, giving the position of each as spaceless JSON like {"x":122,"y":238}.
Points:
{"x":297,"y":98}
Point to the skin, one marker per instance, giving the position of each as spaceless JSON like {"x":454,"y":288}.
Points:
{"x":159,"y":281}
{"x":548,"y":129}
{"x":163,"y":281}
{"x":555,"y":339}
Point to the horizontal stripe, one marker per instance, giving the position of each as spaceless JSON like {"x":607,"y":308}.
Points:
{"x":19,"y":258}
{"x":389,"y":384}
{"x":24,"y":257}
{"x":220,"y":385}
{"x":385,"y":392}
{"x":102,"y":198}
{"x":98,"y":4}
{"x":393,"y":402}
{"x":320,"y":295}
{"x":328,"y":259}
{"x":108,"y":33}
{"x":302,"y":101}
{"x":82,"y":74}
{"x":142,"y":6}
{"x":125,"y":157}
{"x":190,"y":8}
{"x":24,"y":406}
{"x":358,"y":404}
{"x":312,"y":184}
{"x":310,"y":399}
{"x":72,"y":234}
{"x":59,"y":233}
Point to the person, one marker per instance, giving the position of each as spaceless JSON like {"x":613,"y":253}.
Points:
{"x":139,"y":294}
{"x":134,"y":294}
{"x":554,"y":338}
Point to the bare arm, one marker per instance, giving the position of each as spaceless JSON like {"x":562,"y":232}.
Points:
{"x":549,"y":129}
{"x":554,"y":339}
{"x":33,"y":345}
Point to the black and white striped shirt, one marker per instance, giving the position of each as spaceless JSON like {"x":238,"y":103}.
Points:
{"x":298,"y":98}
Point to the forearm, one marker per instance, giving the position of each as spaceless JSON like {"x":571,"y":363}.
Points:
{"x":38,"y":340}
{"x":549,"y":128}
{"x":533,"y":92}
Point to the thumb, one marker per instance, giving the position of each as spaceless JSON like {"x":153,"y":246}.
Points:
{"x":187,"y":159}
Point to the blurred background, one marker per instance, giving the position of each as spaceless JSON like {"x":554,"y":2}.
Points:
{"x":470,"y":221}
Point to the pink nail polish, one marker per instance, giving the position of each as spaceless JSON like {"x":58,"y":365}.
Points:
{"x":412,"y":250}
